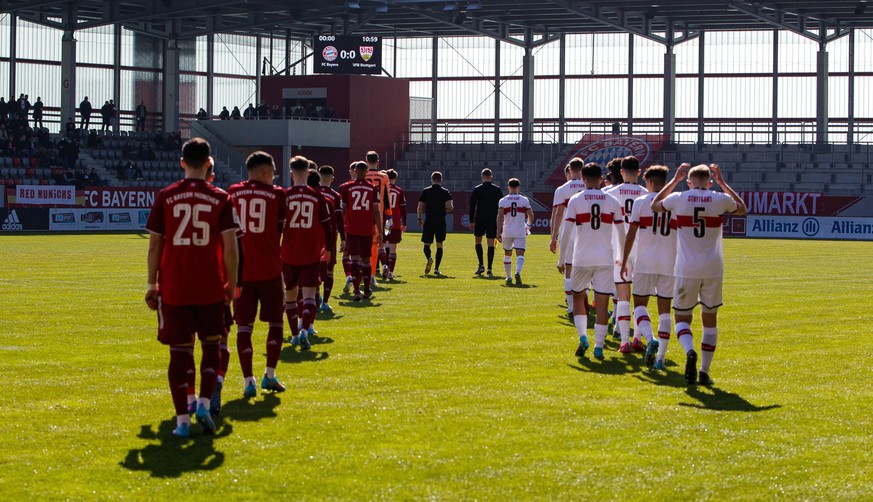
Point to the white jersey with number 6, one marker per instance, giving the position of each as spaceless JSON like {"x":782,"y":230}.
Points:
{"x":594,"y":214}
{"x":656,"y":238}
{"x":515,"y":208}
{"x":698,"y":213}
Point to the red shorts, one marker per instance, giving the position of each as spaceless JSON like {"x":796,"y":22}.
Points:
{"x":359,"y":245}
{"x":395,"y":236}
{"x":178,"y":323}
{"x":305,"y":276}
{"x":268,"y":293}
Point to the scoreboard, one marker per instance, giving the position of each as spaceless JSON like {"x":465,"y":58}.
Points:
{"x":350,"y":54}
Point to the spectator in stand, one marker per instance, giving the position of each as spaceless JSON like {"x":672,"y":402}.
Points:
{"x":235,"y":115}
{"x":4,"y":110}
{"x":225,"y":114}
{"x":250,"y":113}
{"x":130,"y":171}
{"x":137,"y":174}
{"x":4,"y":139}
{"x":93,"y":140}
{"x":80,"y":178}
{"x":141,"y":113}
{"x":70,"y":128}
{"x":85,"y":109}
{"x":72,"y":154}
{"x":37,"y":113}
{"x":263,"y":111}
{"x":23,"y":108}
{"x":106,"y":113}
{"x":202,"y":115}
{"x":277,"y":113}
{"x":113,"y":114}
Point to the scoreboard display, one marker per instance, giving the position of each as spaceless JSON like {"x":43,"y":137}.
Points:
{"x":350,"y":54}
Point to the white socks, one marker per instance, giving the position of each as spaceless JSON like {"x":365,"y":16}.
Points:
{"x":519,"y":264}
{"x":581,"y":322}
{"x":707,"y":347}
{"x":569,"y":294}
{"x":644,"y":324}
{"x":622,"y":315}
{"x":663,"y":335}
{"x":251,"y":380}
{"x":271,"y":373}
{"x":599,"y":335}
{"x":507,"y":265}
{"x":683,"y":334}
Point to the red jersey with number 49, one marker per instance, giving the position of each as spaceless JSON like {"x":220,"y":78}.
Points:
{"x":359,"y":198}
{"x":191,"y":215}
{"x":306,"y":219}
{"x":261,"y":211}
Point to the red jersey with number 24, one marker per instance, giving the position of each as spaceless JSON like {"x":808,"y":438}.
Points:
{"x":191,"y":215}
{"x":306,"y":218}
{"x":261,"y":209}
{"x":359,"y":198}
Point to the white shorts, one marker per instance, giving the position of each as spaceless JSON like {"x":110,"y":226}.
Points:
{"x":597,"y":278}
{"x":565,"y":245}
{"x":510,"y":243}
{"x":616,"y":272}
{"x":691,"y":292}
{"x":654,"y":285}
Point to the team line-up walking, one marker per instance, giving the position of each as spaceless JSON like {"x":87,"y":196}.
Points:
{"x":259,"y":245}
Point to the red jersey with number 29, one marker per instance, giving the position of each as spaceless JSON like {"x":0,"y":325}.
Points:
{"x":191,"y":215}
{"x":359,"y":198}
{"x":261,"y":209}
{"x":306,"y":219}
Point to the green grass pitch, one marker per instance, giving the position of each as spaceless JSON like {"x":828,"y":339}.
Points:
{"x":454,"y":388}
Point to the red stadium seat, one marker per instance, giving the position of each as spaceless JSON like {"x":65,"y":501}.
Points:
{"x":43,"y":181}
{"x":9,"y":182}
{"x":18,"y":181}
{"x":16,"y":162}
{"x":34,"y":162}
{"x":56,"y":171}
{"x":30,"y":173}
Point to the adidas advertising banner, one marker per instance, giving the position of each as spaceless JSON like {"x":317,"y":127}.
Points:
{"x":24,"y":220}
{"x":45,"y":195}
{"x":809,"y":227}
{"x":76,"y":219}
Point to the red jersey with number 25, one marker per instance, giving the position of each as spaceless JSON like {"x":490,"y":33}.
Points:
{"x":359,"y":198}
{"x":191,"y":215}
{"x":261,"y":209}
{"x":306,"y":218}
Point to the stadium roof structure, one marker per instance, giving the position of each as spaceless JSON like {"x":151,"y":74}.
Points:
{"x":519,"y":22}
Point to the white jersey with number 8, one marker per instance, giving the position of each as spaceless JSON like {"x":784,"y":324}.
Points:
{"x":594,"y":215}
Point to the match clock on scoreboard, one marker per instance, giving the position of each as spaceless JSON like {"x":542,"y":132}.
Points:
{"x":350,"y":54}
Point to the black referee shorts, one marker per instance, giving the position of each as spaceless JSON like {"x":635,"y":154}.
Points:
{"x":486,"y":227}
{"x":434,"y":227}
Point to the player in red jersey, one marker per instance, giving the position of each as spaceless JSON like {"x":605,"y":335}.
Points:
{"x":337,"y":228}
{"x":307,"y":225}
{"x":192,"y":276}
{"x":398,"y":223}
{"x":261,"y":209}
{"x":379,"y":179}
{"x":360,"y":201}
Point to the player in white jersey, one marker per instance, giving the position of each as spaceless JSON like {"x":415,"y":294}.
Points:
{"x":626,"y":193}
{"x":699,"y":266}
{"x":653,"y":271}
{"x":562,"y":230}
{"x":514,"y":218}
{"x":595,"y":215}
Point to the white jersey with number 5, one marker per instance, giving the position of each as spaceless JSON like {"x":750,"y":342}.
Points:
{"x":698,"y":213}
{"x":656,"y":238}
{"x":625,"y":194}
{"x":515,"y":208}
{"x":594,"y":214}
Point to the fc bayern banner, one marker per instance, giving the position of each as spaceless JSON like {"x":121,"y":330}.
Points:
{"x":601,"y":148}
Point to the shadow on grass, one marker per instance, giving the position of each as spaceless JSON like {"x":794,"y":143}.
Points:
{"x":247,"y":409}
{"x":487,"y":278}
{"x":291,"y":355}
{"x":612,"y":365}
{"x":364,"y":303}
{"x":173,"y":457}
{"x":328,"y":316}
{"x":722,"y":400}
{"x":520,"y":286}
{"x":320,"y":340}
{"x":431,"y":276}
{"x":663,"y":378}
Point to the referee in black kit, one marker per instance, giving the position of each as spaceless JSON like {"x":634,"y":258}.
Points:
{"x":483,"y":217}
{"x":434,"y":203}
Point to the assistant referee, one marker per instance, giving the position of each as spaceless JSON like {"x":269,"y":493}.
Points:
{"x":433,"y":204}
{"x":483,"y":217}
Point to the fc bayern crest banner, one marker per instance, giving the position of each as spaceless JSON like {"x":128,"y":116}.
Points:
{"x":601,"y":148}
